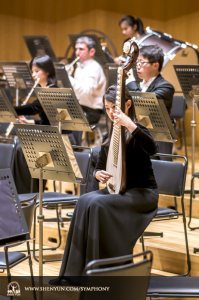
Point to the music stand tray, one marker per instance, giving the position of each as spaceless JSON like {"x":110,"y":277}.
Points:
{"x":55,"y":101}
{"x":99,"y":54}
{"x":39,"y":45}
{"x":7,"y":111}
{"x":188,"y":75}
{"x":62,"y":76}
{"x":15,"y":230}
{"x":153,"y":114}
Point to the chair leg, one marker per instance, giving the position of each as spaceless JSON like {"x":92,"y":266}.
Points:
{"x":31,"y":271}
{"x":185,"y":143}
{"x":52,"y":248}
{"x":186,"y":243}
{"x":142,"y":241}
{"x":7,"y":267}
{"x":190,"y":205}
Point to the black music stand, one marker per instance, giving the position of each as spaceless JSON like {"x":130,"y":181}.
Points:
{"x":152,"y":114}
{"x":62,"y":76}
{"x":99,"y":54}
{"x":49,"y":156}
{"x":39,"y":45}
{"x":19,"y":78}
{"x":63,"y":109}
{"x":188,"y":76}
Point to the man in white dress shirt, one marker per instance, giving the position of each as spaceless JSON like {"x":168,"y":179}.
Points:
{"x":89,"y":81}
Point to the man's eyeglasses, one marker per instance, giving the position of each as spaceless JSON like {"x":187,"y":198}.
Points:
{"x":142,"y":63}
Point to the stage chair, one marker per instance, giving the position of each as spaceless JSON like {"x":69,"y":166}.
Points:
{"x":7,"y":153}
{"x":171,"y":177}
{"x":178,"y":113}
{"x":173,"y":287}
{"x":126,"y":279}
{"x":8,"y":259}
{"x":53,"y":200}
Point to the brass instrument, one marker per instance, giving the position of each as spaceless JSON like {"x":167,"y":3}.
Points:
{"x":11,"y":125}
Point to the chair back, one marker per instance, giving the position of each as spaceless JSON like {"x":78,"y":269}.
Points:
{"x":84,"y":161}
{"x":7,"y":152}
{"x":178,"y":107}
{"x":127,"y":280}
{"x":28,"y":209}
{"x":170,"y":175}
{"x":12,"y":222}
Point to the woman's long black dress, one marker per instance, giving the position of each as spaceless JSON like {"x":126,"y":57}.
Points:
{"x":106,"y":225}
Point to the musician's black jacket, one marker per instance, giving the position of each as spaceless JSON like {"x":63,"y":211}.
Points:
{"x":138,"y":164}
{"x":35,"y":108}
{"x":162,"y":88}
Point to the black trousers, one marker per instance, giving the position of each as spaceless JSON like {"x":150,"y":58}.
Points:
{"x":93,"y":115}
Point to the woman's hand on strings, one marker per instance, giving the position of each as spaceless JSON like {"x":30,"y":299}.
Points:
{"x":122,"y":119}
{"x":103,"y":176}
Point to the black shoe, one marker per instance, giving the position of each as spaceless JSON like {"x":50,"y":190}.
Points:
{"x":56,"y":281}
{"x":65,"y":282}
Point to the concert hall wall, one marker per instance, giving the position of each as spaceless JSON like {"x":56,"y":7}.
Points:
{"x":57,"y":19}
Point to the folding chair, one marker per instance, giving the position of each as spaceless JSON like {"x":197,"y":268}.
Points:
{"x":126,"y":279}
{"x":171,"y":177}
{"x":178,"y":113}
{"x":173,"y":287}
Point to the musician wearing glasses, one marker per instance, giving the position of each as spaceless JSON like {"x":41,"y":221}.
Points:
{"x":89,"y":81}
{"x":149,"y":66}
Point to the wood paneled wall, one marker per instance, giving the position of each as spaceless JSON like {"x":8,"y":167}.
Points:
{"x":13,"y":27}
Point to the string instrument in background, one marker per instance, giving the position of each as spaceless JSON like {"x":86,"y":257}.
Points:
{"x":11,"y":125}
{"x":116,"y":161}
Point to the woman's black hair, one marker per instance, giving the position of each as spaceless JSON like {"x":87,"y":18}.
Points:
{"x":131,"y":21}
{"x":110,"y":96}
{"x":45,"y":63}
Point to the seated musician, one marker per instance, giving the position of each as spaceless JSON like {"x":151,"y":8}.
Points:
{"x":108,"y":225}
{"x":131,"y":28}
{"x":42,"y":67}
{"x":149,"y":66}
{"x":89,"y":81}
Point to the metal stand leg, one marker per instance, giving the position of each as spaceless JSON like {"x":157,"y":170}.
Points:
{"x":40,"y":219}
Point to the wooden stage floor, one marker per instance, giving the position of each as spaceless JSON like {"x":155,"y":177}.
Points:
{"x":169,"y":250}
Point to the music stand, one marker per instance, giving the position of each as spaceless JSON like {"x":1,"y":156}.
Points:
{"x":153,"y":114}
{"x":62,"y":76}
{"x":18,"y":77}
{"x":39,"y":45}
{"x":188,"y":76}
{"x":7,"y":111}
{"x":49,"y":156}
{"x":99,"y":54}
{"x":56,"y":101}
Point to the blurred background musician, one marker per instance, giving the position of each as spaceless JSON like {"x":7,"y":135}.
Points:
{"x":131,"y":28}
{"x":89,"y":81}
{"x":42,"y":67}
{"x":149,"y":65}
